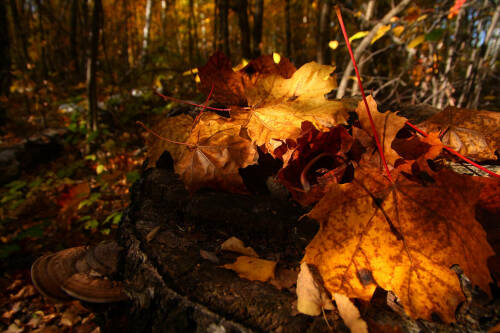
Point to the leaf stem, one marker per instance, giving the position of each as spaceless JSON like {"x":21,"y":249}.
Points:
{"x":189,"y":103}
{"x":140,"y":123}
{"x":379,"y":146}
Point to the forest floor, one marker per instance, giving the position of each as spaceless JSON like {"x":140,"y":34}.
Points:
{"x":73,"y":196}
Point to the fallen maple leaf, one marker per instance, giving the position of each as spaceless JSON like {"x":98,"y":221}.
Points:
{"x":472,"y":133}
{"x":235,"y":244}
{"x":279,"y":106}
{"x":311,"y":295}
{"x":228,"y":85}
{"x":214,"y":154}
{"x":253,"y":269}
{"x":171,"y":128}
{"x":403,"y":237}
{"x":317,"y":159}
{"x":387,"y":124}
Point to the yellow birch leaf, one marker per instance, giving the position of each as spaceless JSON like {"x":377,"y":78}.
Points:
{"x":416,"y":41}
{"x":358,"y":35}
{"x":333,"y":44}
{"x":397,"y":31}
{"x":380,"y":33}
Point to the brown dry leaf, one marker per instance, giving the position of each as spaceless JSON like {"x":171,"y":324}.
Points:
{"x":403,"y":237}
{"x":416,"y":151}
{"x":387,"y":125}
{"x":228,"y":85}
{"x":172,"y":128}
{"x":350,"y":314}
{"x":253,"y":269}
{"x":279,"y":106}
{"x":311,"y":295}
{"x":472,"y":133}
{"x":264,"y":66}
{"x":235,"y":244}
{"x":215,"y":154}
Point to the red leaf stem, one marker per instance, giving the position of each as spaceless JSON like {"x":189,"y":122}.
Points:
{"x":140,"y":123}
{"x":379,"y":146}
{"x":204,"y":106}
{"x":189,"y":103}
{"x":456,"y":153}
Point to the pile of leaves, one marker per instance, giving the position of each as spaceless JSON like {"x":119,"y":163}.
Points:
{"x":401,"y":232}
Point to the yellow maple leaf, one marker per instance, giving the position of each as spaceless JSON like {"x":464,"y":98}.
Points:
{"x":253,"y":269}
{"x":403,"y":237}
{"x":279,"y":105}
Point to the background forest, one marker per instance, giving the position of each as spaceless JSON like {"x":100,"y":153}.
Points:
{"x":76,"y":75}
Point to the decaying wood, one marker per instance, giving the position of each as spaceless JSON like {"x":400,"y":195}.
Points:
{"x":174,"y":289}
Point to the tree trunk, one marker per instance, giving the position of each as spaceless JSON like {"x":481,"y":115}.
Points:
{"x":222,"y":41}
{"x":5,"y":76}
{"x":370,"y":9}
{"x":288,"y":31}
{"x":42,"y":41}
{"x":365,"y":43}
{"x":241,"y":8}
{"x":20,"y":31}
{"x":92,"y":67}
{"x":73,"y":37}
{"x":323,"y":55}
{"x":257,"y":27}
{"x":146,"y":31}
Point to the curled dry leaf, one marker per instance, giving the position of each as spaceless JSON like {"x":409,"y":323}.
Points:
{"x":350,"y":314}
{"x":253,"y":269}
{"x":215,"y":154}
{"x":311,"y":295}
{"x":316,"y":161}
{"x":279,"y":106}
{"x":235,"y":244}
{"x":472,"y":133}
{"x":387,"y":125}
{"x":403,"y":237}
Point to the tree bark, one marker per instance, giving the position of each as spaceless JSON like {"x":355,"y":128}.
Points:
{"x":92,"y":67}
{"x":288,"y":31}
{"x":323,"y":55}
{"x":20,"y":32}
{"x":257,"y":27}
{"x":5,"y":76}
{"x":365,"y":43}
{"x":42,"y":41}
{"x":146,"y":31}
{"x":223,"y":28}
{"x":73,"y":37}
{"x":241,"y":8}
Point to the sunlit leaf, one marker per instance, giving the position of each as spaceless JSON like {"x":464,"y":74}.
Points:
{"x":381,"y":32}
{"x":416,"y":41}
{"x":358,"y":35}
{"x":333,"y":44}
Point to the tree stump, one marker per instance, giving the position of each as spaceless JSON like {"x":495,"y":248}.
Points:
{"x":174,"y":289}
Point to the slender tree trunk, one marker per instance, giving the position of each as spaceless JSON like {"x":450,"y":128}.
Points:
{"x":223,"y":28}
{"x":5,"y":76}
{"x":241,"y":8}
{"x":323,"y":55}
{"x":73,"y":37}
{"x":146,"y":31}
{"x":124,"y":45}
{"x":257,"y":27}
{"x":288,"y":31}
{"x":42,"y":41}
{"x":190,"y":34}
{"x":366,"y":42}
{"x":20,"y":31}
{"x":92,"y":67}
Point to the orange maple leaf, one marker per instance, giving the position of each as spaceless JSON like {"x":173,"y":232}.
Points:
{"x":472,"y":133}
{"x":173,"y":128}
{"x":403,"y":237}
{"x":214,"y":154}
{"x":387,"y":124}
